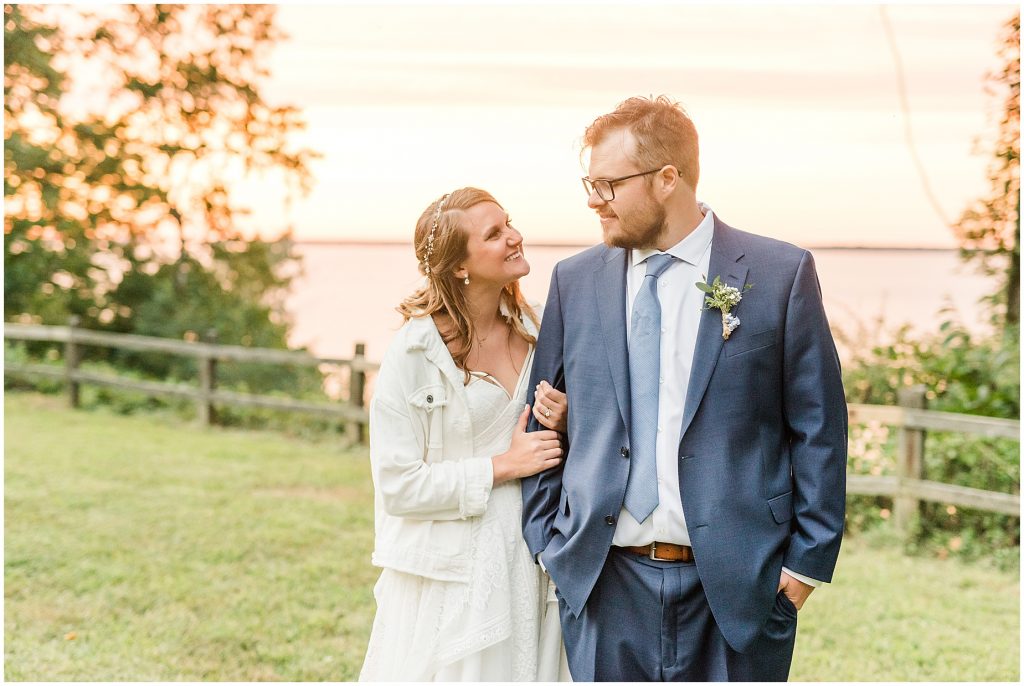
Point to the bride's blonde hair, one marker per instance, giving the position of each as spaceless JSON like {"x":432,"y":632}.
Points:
{"x":440,"y":242}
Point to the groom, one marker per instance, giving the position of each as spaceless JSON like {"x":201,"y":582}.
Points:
{"x":703,"y":490}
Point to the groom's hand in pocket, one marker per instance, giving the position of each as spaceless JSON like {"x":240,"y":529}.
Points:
{"x":797,"y":591}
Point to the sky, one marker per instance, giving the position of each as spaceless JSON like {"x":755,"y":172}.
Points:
{"x":802,"y":134}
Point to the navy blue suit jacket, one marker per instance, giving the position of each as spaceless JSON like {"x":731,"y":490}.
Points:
{"x":762,"y":453}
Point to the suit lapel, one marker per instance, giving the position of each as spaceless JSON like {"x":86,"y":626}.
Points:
{"x":610,"y":286}
{"x":725,"y":254}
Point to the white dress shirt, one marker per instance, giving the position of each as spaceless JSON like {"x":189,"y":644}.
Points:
{"x":681,"y":306}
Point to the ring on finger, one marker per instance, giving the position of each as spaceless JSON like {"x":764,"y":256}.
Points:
{"x":547,"y":412}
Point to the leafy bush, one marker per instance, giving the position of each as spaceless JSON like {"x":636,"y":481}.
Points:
{"x":24,"y":352}
{"x":962,"y":372}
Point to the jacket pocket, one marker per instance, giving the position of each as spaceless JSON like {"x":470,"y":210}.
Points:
{"x":428,"y":401}
{"x":428,"y":398}
{"x":782,"y":507}
{"x":745,"y":344}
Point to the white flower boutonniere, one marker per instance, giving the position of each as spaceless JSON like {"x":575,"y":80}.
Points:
{"x":721,"y":296}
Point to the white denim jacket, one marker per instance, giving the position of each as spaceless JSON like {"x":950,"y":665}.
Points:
{"x":430,"y":489}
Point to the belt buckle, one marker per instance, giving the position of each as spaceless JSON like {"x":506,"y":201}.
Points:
{"x":652,"y":556}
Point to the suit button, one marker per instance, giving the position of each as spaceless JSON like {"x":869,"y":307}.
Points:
{"x":430,"y":398}
{"x":609,"y":520}
{"x":624,"y":451}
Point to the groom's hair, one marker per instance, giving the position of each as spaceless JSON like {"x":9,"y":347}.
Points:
{"x":664,"y":133}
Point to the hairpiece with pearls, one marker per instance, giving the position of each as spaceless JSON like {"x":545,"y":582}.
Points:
{"x":433,"y":230}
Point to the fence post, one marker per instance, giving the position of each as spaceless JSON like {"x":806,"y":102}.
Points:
{"x":356,"y":389}
{"x":910,"y":462}
{"x":72,"y":356}
{"x":207,"y":382}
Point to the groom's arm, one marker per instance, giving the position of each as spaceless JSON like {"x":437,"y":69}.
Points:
{"x":541,"y":491}
{"x":814,"y":408}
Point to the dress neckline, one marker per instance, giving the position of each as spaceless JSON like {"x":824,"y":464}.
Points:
{"x":448,"y":354}
{"x":490,"y":378}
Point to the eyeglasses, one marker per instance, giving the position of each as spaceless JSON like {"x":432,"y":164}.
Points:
{"x":606,"y":187}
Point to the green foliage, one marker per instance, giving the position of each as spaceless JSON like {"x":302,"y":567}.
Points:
{"x":989,"y":230}
{"x":38,"y":273}
{"x":185,"y":301}
{"x":988,"y":464}
{"x":872,"y":452}
{"x":21,"y":352}
{"x":962,"y":372}
{"x":721,"y":296}
{"x":119,"y":210}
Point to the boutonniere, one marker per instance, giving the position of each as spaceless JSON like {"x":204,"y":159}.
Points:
{"x":722,"y":296}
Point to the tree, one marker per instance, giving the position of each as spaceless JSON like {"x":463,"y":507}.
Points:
{"x":36,"y":263}
{"x":989,"y":230}
{"x":125,"y":128}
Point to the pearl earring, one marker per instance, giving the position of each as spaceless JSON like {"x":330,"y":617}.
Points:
{"x":467,"y":280}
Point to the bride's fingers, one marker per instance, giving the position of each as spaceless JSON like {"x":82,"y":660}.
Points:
{"x":549,"y":402}
{"x":555,"y":405}
{"x":552,"y":392}
{"x":544,"y":406}
{"x":551,"y":422}
{"x":543,"y":415}
{"x":551,"y":397}
{"x":548,"y":408}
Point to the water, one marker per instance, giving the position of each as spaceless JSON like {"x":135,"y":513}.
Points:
{"x":349,"y":291}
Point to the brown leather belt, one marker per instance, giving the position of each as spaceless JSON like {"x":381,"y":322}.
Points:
{"x":666,"y":552}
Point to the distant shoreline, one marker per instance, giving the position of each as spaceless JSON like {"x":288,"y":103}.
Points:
{"x":385,"y":244}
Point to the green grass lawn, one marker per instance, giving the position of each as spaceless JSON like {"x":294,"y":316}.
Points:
{"x":140,"y":548}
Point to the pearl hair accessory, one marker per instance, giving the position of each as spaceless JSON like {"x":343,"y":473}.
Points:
{"x":433,"y":230}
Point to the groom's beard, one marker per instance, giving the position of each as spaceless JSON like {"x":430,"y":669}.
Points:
{"x":640,"y":228}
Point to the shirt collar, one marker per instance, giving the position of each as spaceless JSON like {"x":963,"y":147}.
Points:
{"x":692,"y":248}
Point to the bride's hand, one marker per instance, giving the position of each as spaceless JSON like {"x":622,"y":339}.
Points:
{"x":528,"y":453}
{"x":551,"y":408}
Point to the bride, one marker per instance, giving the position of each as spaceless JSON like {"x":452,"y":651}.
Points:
{"x":460,"y":598}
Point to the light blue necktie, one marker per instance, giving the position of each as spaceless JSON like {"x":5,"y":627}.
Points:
{"x":644,"y":374}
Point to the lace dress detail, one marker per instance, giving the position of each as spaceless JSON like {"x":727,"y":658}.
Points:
{"x":488,"y":629}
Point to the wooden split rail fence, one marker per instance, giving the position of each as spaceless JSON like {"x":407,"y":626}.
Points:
{"x":207,"y":354}
{"x":907,"y":488}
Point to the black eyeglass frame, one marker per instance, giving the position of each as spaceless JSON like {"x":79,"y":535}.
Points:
{"x":590,"y":185}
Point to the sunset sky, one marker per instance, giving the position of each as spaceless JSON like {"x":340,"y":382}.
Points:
{"x":797,"y":106}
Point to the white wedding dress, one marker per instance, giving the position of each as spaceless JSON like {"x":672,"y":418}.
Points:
{"x":502,"y":625}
